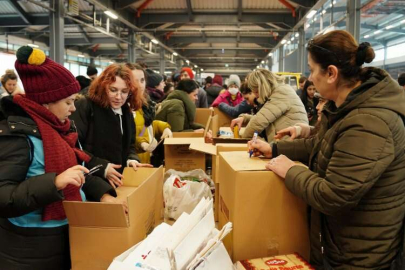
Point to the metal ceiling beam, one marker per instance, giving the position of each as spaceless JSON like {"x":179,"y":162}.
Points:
{"x":17,"y":21}
{"x":84,"y":34}
{"x":304,"y":3}
{"x":126,"y":3}
{"x":226,"y":52}
{"x":240,"y":10}
{"x":220,"y":48}
{"x":21,"y":12}
{"x":258,"y":40}
{"x":189,"y":10}
{"x":217,"y":18}
{"x":222,"y":58}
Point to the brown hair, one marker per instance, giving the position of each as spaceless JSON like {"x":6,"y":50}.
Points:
{"x":99,"y":87}
{"x":339,"y":48}
{"x":9,"y":75}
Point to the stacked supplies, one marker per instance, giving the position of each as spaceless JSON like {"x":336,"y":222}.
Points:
{"x":192,"y":242}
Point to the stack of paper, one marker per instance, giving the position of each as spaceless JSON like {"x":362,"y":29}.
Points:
{"x":192,"y":242}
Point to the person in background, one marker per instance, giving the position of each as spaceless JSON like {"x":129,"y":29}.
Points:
{"x":9,"y":82}
{"x":208,"y":82}
{"x":246,"y":106}
{"x":40,"y":168}
{"x":302,"y":130}
{"x":154,"y":86}
{"x":280,"y":106}
{"x":301,"y":84}
{"x":310,"y":102}
{"x":201,"y":102}
{"x":175,"y":79}
{"x":148,"y":130}
{"x":355,"y":180}
{"x":179,"y":108}
{"x":92,"y":72}
{"x":232,"y":96}
{"x":84,"y":84}
{"x":168,"y":89}
{"x":105,"y":122}
{"x":401,"y":80}
{"x":215,"y":89}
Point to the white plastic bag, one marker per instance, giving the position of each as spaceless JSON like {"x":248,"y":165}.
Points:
{"x":182,"y":195}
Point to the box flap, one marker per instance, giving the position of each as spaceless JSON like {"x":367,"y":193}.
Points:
{"x":134,"y":178}
{"x":240,"y":161}
{"x":95,"y":214}
{"x":191,"y":134}
{"x":183,"y":141}
{"x":204,"y":148}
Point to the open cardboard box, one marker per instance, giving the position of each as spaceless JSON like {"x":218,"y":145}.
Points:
{"x":267,"y":218}
{"x":179,"y":157}
{"x":101,"y":231}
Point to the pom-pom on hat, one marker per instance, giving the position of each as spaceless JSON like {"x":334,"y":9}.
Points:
{"x":44,"y":80}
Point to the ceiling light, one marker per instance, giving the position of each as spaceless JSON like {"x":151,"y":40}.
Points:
{"x":155,"y":41}
{"x":111,"y":62}
{"x":334,"y":2}
{"x":297,"y":35}
{"x":110,"y":14}
{"x":262,"y":62}
{"x":377,"y":32}
{"x":201,"y":69}
{"x":226,"y":65}
{"x":307,"y":25}
{"x":292,"y":39}
{"x":283,"y":41}
{"x":366,"y":36}
{"x":389,"y":27}
{"x":257,"y":67}
{"x":188,"y":62}
{"x":195,"y":66}
{"x":288,"y":42}
{"x":175,"y":54}
{"x":271,"y":54}
{"x":33,"y":45}
{"x":80,"y":55}
{"x":311,"y":14}
{"x":403,"y":21}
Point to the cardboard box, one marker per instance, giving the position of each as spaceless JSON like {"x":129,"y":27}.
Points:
{"x":224,"y":120}
{"x":214,"y":150}
{"x":101,"y":231}
{"x":267,"y":219}
{"x":188,"y":135}
{"x":179,"y":157}
{"x":202,"y":115}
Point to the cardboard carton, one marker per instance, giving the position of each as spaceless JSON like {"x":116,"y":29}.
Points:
{"x":267,"y":219}
{"x":101,"y":231}
{"x":214,"y":150}
{"x":202,"y":115}
{"x":188,"y":135}
{"x":179,"y":157}
{"x":285,"y":262}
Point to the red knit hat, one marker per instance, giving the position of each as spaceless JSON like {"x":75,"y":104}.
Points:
{"x":44,"y":80}
{"x":217,"y":79}
{"x":189,"y":71}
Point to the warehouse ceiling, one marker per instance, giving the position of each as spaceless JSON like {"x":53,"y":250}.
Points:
{"x":220,"y":36}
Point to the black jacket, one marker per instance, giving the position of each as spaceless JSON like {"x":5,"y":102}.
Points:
{"x":19,"y":196}
{"x":100,"y":132}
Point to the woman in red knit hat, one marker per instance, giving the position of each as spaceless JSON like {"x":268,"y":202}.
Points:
{"x":39,"y":166}
{"x":105,"y":122}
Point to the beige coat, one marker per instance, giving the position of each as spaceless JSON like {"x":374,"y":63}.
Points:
{"x":284,"y":109}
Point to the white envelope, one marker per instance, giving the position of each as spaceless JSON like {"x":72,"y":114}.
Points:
{"x":218,"y":259}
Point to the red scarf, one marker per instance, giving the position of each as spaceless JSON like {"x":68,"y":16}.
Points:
{"x":59,"y":150}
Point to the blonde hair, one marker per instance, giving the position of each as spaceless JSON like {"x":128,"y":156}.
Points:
{"x":263,"y":81}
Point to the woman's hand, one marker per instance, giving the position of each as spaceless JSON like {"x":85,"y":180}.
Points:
{"x":107,"y":198}
{"x":280,"y":165}
{"x":149,"y":147}
{"x":72,"y":176}
{"x":260,"y":148}
{"x":237,"y":121}
{"x":113,"y":176}
{"x":167,"y":133}
{"x":135,"y":165}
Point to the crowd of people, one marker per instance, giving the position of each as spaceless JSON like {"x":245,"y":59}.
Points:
{"x":346,"y":123}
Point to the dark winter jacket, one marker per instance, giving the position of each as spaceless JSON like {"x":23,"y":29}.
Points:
{"x":48,"y":247}
{"x":356,"y":177}
{"x":179,"y":112}
{"x":100,"y":132}
{"x":234,"y":112}
{"x":213,"y":92}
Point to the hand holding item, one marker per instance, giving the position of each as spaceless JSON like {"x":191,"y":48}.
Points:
{"x":135,"y":165}
{"x":280,"y":165}
{"x":238,"y":122}
{"x":200,"y":130}
{"x":260,"y":148}
{"x":72,"y":176}
{"x":167,"y":133}
{"x":149,"y":147}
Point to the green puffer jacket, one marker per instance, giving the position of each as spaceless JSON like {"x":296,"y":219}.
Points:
{"x":178,"y":111}
{"x":284,"y":109}
{"x":357,"y":176}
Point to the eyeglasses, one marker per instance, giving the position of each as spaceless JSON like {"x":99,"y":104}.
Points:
{"x":114,"y":92}
{"x":311,"y":44}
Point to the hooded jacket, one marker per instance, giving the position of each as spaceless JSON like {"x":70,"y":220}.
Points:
{"x":356,"y":177}
{"x":179,"y":112}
